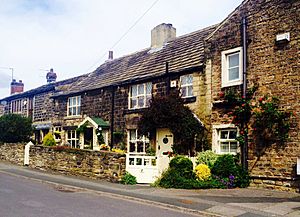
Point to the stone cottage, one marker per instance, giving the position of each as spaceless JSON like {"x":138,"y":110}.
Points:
{"x":258,"y":44}
{"x":36,"y":104}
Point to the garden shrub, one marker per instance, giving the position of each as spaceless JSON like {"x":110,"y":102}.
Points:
{"x":225,"y":166}
{"x":128,"y":179}
{"x":202,"y":172}
{"x":183,"y":166}
{"x":227,"y":170}
{"x":15,"y":128}
{"x":49,"y":140}
{"x":207,"y":157}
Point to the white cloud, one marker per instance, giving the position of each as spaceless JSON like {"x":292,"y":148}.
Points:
{"x":71,"y":35}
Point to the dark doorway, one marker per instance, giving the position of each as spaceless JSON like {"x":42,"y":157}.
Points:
{"x":88,"y":138}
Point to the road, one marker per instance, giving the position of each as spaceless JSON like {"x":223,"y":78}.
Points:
{"x":21,"y":197}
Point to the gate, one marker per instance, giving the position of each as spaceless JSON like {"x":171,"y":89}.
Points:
{"x":144,"y":168}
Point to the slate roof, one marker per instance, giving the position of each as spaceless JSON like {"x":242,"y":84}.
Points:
{"x":181,"y":53}
{"x":58,"y":86}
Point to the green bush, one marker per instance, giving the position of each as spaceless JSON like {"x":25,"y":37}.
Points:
{"x":225,"y":166}
{"x":183,"y":166}
{"x":227,"y":170}
{"x":207,"y":157}
{"x":128,"y":179}
{"x":49,"y":140}
{"x":15,"y":128}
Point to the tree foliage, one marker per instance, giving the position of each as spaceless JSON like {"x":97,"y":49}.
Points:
{"x":170,"y":112}
{"x":15,"y":128}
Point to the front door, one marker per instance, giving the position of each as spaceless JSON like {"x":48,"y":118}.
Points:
{"x":164,"y":142}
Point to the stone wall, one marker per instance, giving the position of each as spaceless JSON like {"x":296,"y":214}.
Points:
{"x":103,"y":165}
{"x":275,"y":67}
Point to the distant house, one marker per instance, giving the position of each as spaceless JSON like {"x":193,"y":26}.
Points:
{"x":36,"y":104}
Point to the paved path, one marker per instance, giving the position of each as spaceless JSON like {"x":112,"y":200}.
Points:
{"x":214,"y":202}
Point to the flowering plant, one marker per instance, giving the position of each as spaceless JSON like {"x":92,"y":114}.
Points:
{"x":267,"y":120}
{"x":202,"y":172}
{"x":104,"y":147}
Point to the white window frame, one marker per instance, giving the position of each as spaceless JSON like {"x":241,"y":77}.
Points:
{"x":225,"y":67}
{"x":57,"y":129}
{"x":74,"y":138}
{"x":187,"y":86}
{"x":77,"y":106}
{"x":216,"y":141}
{"x":146,"y":96}
{"x":143,"y":139}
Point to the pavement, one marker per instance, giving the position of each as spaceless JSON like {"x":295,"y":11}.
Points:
{"x":211,"y":202}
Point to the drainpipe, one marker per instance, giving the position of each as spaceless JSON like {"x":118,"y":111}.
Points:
{"x":112,"y":119}
{"x":244,"y":37}
{"x":168,"y":79}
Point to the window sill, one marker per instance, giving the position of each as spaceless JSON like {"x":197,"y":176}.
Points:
{"x":230,"y":84}
{"x":190,"y":99}
{"x":133,"y":111}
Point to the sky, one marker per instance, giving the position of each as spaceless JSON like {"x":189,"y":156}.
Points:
{"x":74,"y":36}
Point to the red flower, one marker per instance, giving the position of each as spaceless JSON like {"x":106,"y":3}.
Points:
{"x":260,"y":99}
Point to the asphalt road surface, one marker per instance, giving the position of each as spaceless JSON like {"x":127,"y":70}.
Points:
{"x":21,"y":197}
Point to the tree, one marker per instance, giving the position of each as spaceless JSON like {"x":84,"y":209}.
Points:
{"x":170,"y":112}
{"x":15,"y":128}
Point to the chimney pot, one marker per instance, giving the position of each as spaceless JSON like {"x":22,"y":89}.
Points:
{"x":110,"y":55}
{"x":162,"y":34}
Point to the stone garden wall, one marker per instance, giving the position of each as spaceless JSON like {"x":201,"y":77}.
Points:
{"x":104,"y":165}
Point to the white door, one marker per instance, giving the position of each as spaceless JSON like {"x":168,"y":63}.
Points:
{"x":164,"y":143}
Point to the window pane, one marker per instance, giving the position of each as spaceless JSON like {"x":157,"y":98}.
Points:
{"x":134,"y":90}
{"x":184,"y":91}
{"x":132,"y":135}
{"x":233,"y":60}
{"x":74,"y":111}
{"x":233,"y":73}
{"x":224,"y":146}
{"x":148,"y":98}
{"x":190,"y":79}
{"x":74,"y":101}
{"x":183,"y":80}
{"x":131,"y":147}
{"x":140,"y":147}
{"x":79,"y":101}
{"x":233,"y":147}
{"x":78,"y":110}
{"x":133,"y":103}
{"x":190,"y":91}
{"x":224,"y":134}
{"x":148,"y":88}
{"x":141,"y":89}
{"x":232,"y":134}
{"x":70,"y":101}
{"x":141,"y":102}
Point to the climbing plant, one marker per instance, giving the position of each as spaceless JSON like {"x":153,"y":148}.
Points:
{"x":170,"y":112}
{"x":262,"y":115}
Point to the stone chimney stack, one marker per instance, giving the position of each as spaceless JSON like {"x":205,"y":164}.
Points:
{"x":51,"y":76}
{"x":16,"y":87}
{"x":162,"y":34}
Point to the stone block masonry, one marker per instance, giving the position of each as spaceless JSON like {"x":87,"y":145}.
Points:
{"x":102,"y":165}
